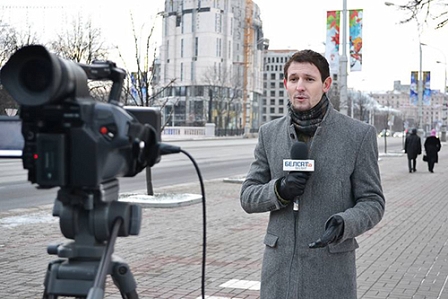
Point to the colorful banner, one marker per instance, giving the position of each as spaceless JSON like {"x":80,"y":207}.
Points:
{"x":355,"y":27}
{"x":427,"y":88}
{"x":332,"y":42}
{"x":413,"y":96}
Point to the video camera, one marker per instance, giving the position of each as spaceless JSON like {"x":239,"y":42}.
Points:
{"x":70,"y":139}
{"x":82,"y":146}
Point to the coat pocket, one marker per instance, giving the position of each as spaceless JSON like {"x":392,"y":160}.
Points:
{"x":270,"y":240}
{"x":346,"y":246}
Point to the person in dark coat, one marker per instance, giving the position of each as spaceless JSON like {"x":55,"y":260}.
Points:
{"x":413,"y":148}
{"x":314,"y":219}
{"x":432,"y":147}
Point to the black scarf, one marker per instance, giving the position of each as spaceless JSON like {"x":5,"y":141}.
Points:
{"x":306,"y":122}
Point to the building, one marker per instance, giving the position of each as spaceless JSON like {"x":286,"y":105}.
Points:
{"x":399,"y":99}
{"x":274,"y":101}
{"x":211,"y":63}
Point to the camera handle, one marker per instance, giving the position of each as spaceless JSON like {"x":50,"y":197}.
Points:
{"x":85,"y":262}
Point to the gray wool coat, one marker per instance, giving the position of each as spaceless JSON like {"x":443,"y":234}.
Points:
{"x":346,"y":182}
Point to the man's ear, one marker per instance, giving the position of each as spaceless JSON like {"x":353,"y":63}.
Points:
{"x":327,"y":84}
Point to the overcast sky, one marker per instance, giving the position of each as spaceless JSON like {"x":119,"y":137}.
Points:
{"x":390,"y":50}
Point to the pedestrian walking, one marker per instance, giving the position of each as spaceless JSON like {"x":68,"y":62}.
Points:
{"x":432,"y":147}
{"x":314,"y":218}
{"x":413,"y":148}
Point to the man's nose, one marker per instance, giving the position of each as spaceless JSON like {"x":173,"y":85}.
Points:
{"x":300,"y":85}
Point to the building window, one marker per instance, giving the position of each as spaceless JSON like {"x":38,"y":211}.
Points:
{"x":273,"y":76}
{"x":182,"y":47}
{"x":181,"y":71}
{"x":272,"y":93}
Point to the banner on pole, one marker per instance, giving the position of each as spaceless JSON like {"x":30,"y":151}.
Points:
{"x":427,"y":88}
{"x":413,"y":96}
{"x":332,"y":40}
{"x":355,"y":27}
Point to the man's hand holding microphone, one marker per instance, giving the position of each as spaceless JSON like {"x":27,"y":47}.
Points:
{"x":292,"y":186}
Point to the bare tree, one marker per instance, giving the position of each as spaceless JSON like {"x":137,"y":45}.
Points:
{"x":81,"y":42}
{"x":433,"y":10}
{"x":363,"y":104}
{"x":140,"y":83}
{"x":226,"y":90}
{"x":11,"y":40}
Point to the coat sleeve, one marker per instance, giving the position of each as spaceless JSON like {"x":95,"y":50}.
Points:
{"x":367,"y":191}
{"x":257,"y":192}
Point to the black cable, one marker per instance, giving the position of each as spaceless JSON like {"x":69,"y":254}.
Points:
{"x":167,"y":149}
{"x":203,"y":221}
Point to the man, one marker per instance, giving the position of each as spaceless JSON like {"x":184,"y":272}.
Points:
{"x":413,"y":148}
{"x":310,"y":250}
{"x":432,"y":147}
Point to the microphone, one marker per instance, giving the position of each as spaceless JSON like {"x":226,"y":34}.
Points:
{"x":299,"y":162}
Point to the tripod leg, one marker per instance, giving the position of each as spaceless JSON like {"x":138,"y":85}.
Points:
{"x":124,"y":280}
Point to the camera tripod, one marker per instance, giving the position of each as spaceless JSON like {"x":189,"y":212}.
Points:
{"x":93,"y":218}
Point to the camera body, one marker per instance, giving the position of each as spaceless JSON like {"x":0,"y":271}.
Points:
{"x":70,"y":140}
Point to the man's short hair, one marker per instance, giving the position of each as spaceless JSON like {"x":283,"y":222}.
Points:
{"x":312,"y":57}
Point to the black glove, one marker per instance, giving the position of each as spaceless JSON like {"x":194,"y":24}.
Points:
{"x":292,"y":185}
{"x":333,"y":231}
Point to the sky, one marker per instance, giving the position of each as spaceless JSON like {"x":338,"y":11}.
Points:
{"x":390,"y":49}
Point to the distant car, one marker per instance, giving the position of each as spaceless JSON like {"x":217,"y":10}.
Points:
{"x":384,"y":132}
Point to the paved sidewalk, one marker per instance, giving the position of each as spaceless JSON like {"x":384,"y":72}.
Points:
{"x":404,"y":257}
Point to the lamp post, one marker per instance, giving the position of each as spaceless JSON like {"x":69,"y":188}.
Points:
{"x":343,"y":63}
{"x":420,"y":92}
{"x":420,"y":77}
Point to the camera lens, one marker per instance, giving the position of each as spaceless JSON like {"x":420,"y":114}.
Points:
{"x":36,"y":75}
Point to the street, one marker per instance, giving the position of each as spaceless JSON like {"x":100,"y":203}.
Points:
{"x":217,"y":158}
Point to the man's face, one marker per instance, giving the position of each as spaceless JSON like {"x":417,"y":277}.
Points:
{"x":304,"y":85}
